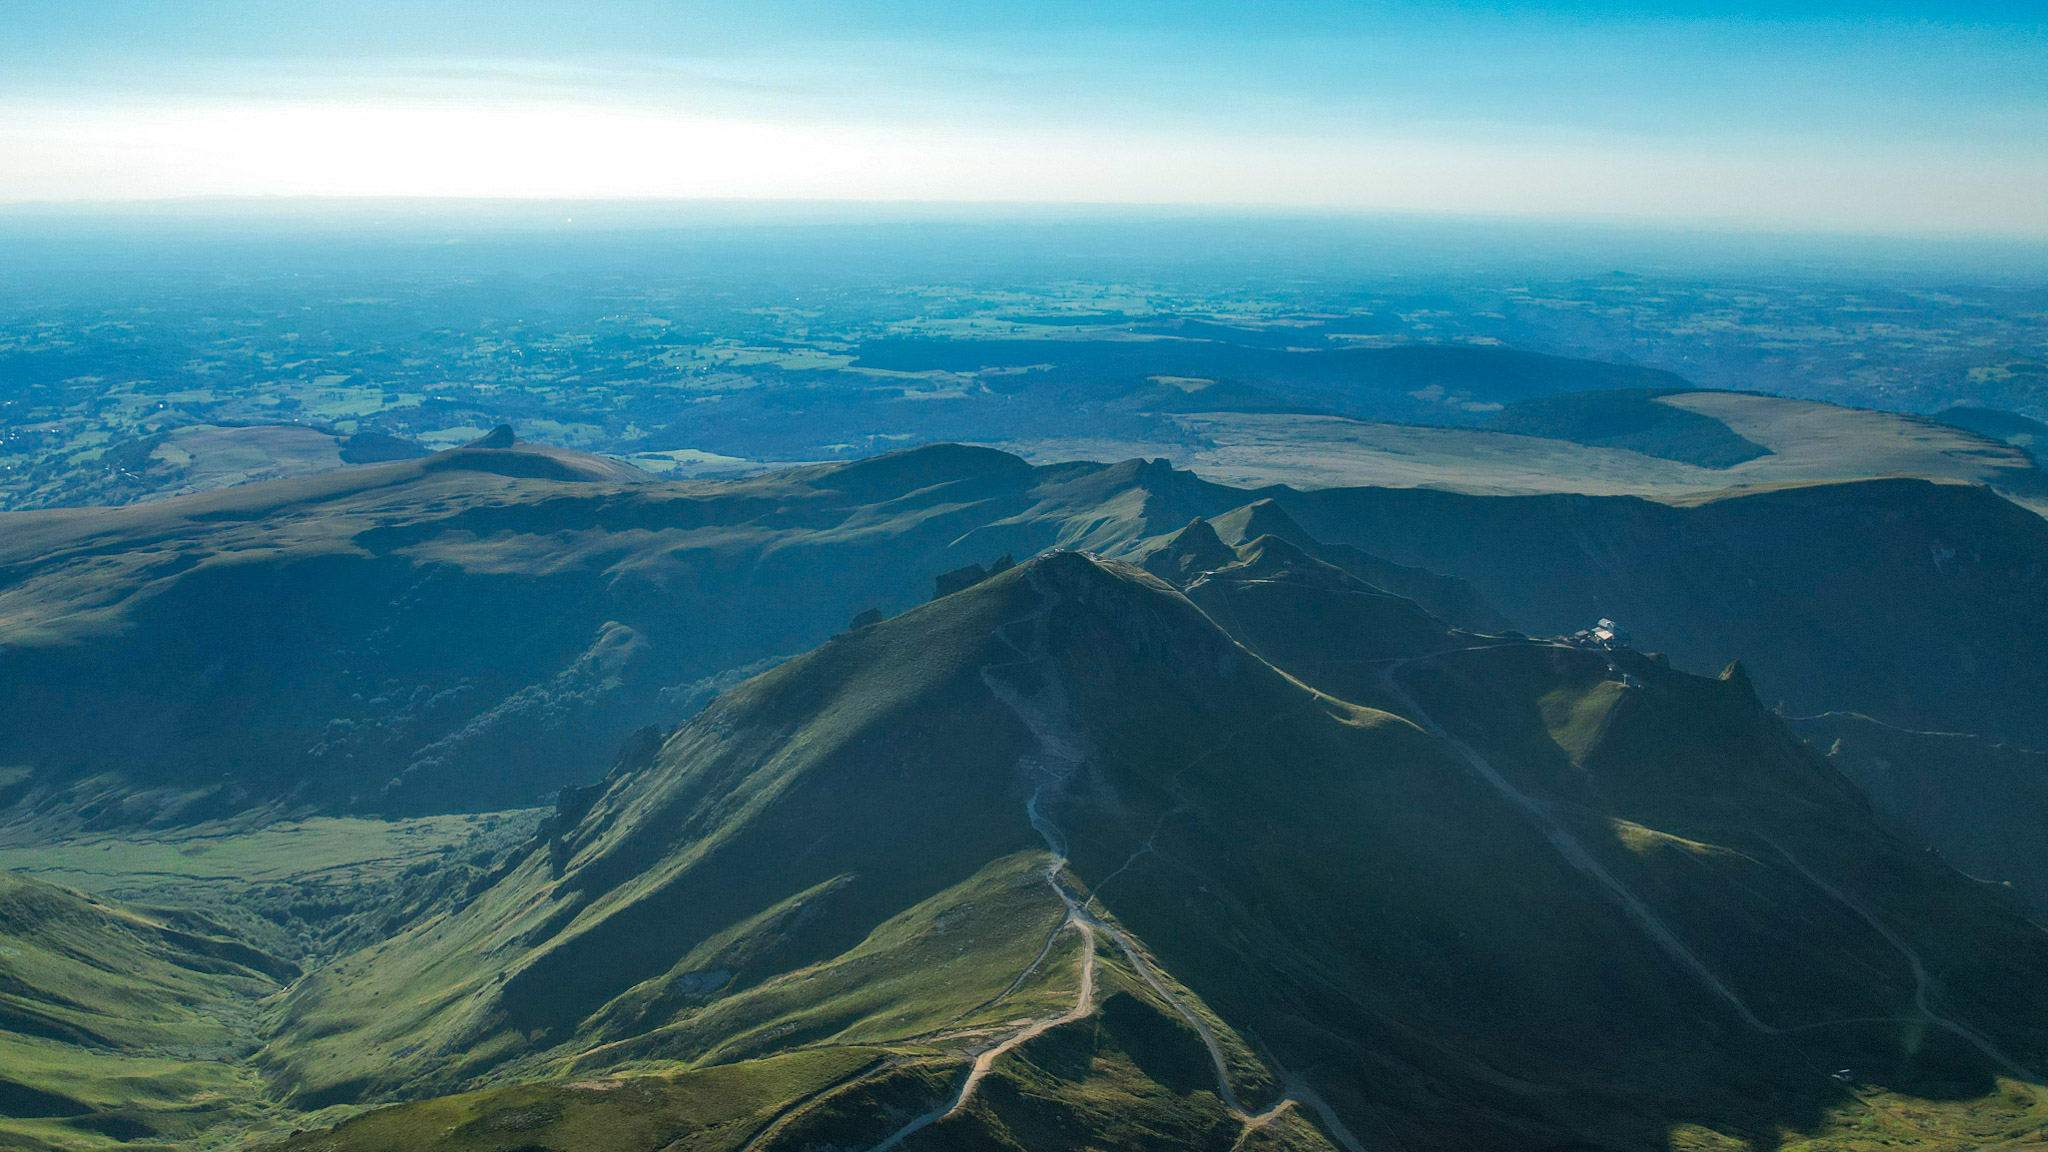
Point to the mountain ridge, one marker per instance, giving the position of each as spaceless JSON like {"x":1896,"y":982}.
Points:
{"x":369,"y":640}
{"x":1129,"y":807}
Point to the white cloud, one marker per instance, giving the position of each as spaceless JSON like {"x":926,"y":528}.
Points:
{"x":558,"y":149}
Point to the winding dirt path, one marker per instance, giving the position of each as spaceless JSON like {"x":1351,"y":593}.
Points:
{"x":1084,"y":1005}
{"x":1056,"y":760}
{"x":1060,"y":753}
{"x":1921,"y":981}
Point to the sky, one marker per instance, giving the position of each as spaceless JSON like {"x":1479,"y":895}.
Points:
{"x":1886,"y":118}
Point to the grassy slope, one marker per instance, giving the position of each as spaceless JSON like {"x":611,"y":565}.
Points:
{"x":709,"y":1110}
{"x":1819,"y":961}
{"x":122,"y":1024}
{"x":1676,"y":813}
{"x":301,"y":889}
{"x":1317,"y":621}
{"x":701,"y":844}
{"x":1321,"y":882}
{"x":1979,"y":803}
{"x":1286,"y":605}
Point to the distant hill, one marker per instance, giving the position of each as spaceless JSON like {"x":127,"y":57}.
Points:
{"x":1457,"y":384}
{"x":1056,"y":859}
{"x":377,"y":448}
{"x":1807,"y":443}
{"x":2017,"y":430}
{"x":1633,"y":419}
{"x":1176,"y":394}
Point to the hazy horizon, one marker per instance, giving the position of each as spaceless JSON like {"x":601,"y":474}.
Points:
{"x":311,"y":232}
{"x":1909,"y":119}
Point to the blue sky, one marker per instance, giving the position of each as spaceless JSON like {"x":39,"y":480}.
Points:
{"x":1882,"y":117}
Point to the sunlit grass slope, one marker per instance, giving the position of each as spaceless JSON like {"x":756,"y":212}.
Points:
{"x":120,"y":1023}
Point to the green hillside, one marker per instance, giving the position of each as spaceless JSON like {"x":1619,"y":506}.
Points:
{"x":1329,"y":629}
{"x":302,"y":890}
{"x":1056,"y":854}
{"x":123,"y":1026}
